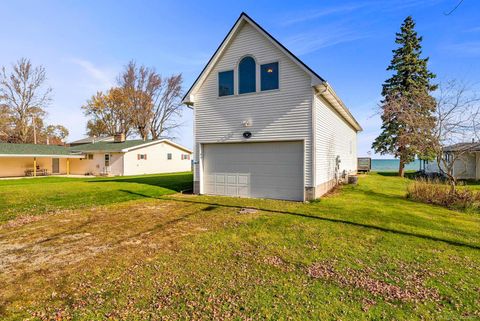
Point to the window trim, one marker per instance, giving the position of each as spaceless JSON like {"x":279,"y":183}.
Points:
{"x":258,"y":85}
{"x":218,"y":82}
{"x":256,"y":75}
{"x":109,"y":160}
{"x":260,"y":75}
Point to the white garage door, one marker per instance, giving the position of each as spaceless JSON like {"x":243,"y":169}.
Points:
{"x":263,"y":170}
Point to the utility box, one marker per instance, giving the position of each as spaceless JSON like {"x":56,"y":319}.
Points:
{"x":364,"y":164}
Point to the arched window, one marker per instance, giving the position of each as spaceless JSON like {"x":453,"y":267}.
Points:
{"x":246,"y":75}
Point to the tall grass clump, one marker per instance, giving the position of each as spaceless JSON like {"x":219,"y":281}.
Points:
{"x":439,"y":193}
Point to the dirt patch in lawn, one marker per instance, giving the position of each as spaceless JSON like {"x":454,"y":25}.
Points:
{"x":37,"y":254}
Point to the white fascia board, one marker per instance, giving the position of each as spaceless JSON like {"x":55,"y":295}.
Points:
{"x":167,"y":141}
{"x":43,"y":156}
{"x":329,"y":94}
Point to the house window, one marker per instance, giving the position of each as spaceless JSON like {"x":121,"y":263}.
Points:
{"x":225,"y":83}
{"x":142,"y":156}
{"x":246,"y":76}
{"x":169,"y":156}
{"x":107,"y":159}
{"x":185,"y":156}
{"x":269,"y":76}
{"x":89,"y":156}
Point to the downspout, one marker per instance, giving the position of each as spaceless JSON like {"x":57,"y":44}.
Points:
{"x":314,"y":135}
{"x":314,"y":143}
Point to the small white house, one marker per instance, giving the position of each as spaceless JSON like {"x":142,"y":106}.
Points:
{"x":466,"y":164}
{"x":131,"y":157}
{"x":265,"y":124}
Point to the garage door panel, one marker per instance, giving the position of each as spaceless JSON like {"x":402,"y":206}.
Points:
{"x":265,"y":170}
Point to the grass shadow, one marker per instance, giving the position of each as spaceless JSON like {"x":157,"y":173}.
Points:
{"x":327,"y":219}
{"x":178,"y":182}
{"x":409,"y":175}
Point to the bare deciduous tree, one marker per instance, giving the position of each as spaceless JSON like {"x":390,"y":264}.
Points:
{"x":23,"y":94}
{"x":141,"y":85}
{"x":457,"y":130}
{"x":167,"y":107}
{"x":5,"y":124}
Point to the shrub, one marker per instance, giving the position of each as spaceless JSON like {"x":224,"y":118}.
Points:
{"x":438,"y":193}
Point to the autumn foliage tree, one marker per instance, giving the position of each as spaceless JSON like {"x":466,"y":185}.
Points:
{"x":144,"y":104}
{"x":109,"y":113}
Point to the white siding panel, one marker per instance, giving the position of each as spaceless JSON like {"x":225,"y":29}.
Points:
{"x":333,"y":137}
{"x":465,"y":166}
{"x":96,"y":166}
{"x":283,"y":114}
{"x":157,"y":160}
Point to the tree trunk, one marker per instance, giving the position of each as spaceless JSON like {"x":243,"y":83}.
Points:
{"x":401,"y":168}
{"x":452,"y":180}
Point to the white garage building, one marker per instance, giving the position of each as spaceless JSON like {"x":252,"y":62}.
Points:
{"x":265,"y":124}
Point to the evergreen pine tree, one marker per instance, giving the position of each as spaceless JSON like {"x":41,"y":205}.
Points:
{"x":411,"y":78}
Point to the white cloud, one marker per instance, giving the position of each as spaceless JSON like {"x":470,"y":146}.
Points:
{"x":102,"y":78}
{"x":314,"y":40}
{"x":322,"y":13}
{"x":469,"y":48}
{"x":475,"y":29}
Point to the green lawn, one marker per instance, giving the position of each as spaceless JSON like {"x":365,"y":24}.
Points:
{"x":363,"y":253}
{"x":48,"y":194}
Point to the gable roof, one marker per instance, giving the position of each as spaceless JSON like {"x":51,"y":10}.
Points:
{"x":318,"y":82}
{"x":463,"y":147}
{"x":35,"y":150}
{"x":123,"y":147}
{"x":88,"y":140}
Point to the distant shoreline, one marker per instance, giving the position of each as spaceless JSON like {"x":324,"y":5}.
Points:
{"x":390,"y":165}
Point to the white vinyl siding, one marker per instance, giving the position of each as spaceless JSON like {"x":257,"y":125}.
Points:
{"x":276,"y":115}
{"x":465,"y":166}
{"x":157,"y":160}
{"x":333,"y":136}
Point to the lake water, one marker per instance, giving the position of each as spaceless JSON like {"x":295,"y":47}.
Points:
{"x":391,"y":165}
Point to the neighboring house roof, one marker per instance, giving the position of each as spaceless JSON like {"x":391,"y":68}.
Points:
{"x":122,"y":147}
{"x":318,"y":82}
{"x":462,"y":147}
{"x":89,"y":140}
{"x":35,"y":150}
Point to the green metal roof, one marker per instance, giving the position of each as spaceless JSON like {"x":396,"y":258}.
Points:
{"x":74,"y":151}
{"x":33,"y":149}
{"x":109,"y":146}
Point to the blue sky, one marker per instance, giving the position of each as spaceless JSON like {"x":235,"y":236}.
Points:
{"x":84,"y":44}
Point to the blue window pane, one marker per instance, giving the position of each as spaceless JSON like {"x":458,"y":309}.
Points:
{"x":269,"y":76}
{"x":246,"y":75}
{"x":225,"y":83}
